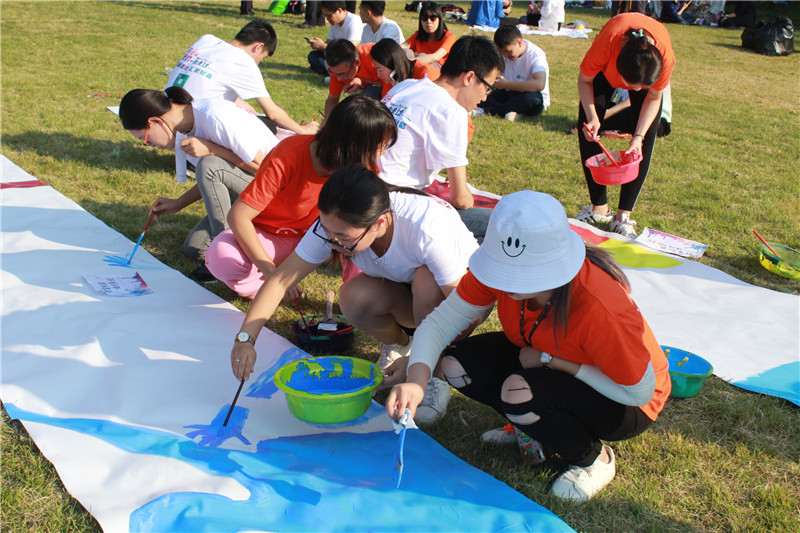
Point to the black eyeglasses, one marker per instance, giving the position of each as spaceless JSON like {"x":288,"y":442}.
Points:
{"x":335,"y":243}
{"x":489,"y":87}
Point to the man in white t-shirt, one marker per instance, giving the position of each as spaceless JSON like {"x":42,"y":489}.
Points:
{"x":524,"y":87}
{"x":376,"y":26}
{"x":432,"y":122}
{"x":344,"y":25}
{"x":213,"y":68}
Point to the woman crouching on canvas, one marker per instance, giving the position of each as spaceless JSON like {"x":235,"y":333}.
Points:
{"x":412,"y":249}
{"x":575,"y":364}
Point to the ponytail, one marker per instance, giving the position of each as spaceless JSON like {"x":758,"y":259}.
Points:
{"x":639,"y":62}
{"x":140,"y":105}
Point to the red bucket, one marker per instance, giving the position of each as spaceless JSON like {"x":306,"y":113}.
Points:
{"x":605,"y":172}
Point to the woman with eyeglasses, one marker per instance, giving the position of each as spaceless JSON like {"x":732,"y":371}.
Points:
{"x":412,"y":249}
{"x":393,"y":66}
{"x":223,"y":141}
{"x":271,"y":215}
{"x":432,"y":41}
{"x":632,"y":52}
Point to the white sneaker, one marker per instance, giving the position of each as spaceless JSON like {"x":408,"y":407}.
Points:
{"x":582,"y":483}
{"x":624,"y":226}
{"x":392,"y":352}
{"x":327,"y":80}
{"x":477,"y":112}
{"x":503,"y":435}
{"x":593,"y":217}
{"x":511,"y":116}
{"x":434,"y":404}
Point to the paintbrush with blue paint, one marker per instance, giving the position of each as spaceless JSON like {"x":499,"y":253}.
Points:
{"x":400,"y":427}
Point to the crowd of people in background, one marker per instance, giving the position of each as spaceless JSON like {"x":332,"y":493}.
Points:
{"x":575,"y":364}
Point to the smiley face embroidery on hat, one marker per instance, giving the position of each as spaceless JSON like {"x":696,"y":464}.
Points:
{"x":512,"y":247}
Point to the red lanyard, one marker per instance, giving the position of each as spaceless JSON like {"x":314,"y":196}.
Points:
{"x":542,"y":314}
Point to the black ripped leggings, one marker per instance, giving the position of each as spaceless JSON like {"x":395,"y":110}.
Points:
{"x":574,"y":417}
{"x":629,"y":192}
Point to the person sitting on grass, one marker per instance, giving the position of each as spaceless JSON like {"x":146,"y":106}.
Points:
{"x":393,"y":66}
{"x":351,"y":69}
{"x":576,"y":362}
{"x":412,"y":250}
{"x":223,"y":141}
{"x":524,"y":87}
{"x":344,"y":25}
{"x":376,"y":26}
{"x":433,"y":122}
{"x":213,"y":68}
{"x":271,"y":215}
{"x":432,"y":42}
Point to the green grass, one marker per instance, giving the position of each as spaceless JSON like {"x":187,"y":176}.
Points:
{"x":726,"y":460}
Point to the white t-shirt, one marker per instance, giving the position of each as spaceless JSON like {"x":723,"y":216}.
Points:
{"x":350,"y":29}
{"x":231,"y":127}
{"x":213,"y":68}
{"x":427,"y":231}
{"x":431,"y":134}
{"x":525,"y":66}
{"x":387,"y":30}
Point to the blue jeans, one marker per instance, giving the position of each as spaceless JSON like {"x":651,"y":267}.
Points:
{"x":316,"y":60}
{"x":503,"y":101}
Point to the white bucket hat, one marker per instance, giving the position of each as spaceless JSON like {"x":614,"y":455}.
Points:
{"x":529,"y":246}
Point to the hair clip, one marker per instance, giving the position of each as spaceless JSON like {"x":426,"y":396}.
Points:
{"x":637,"y":33}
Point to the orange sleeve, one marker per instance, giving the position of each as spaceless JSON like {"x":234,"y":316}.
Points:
{"x":474,"y":292}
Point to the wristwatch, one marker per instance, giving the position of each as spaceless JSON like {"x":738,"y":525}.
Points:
{"x":544,"y":359}
{"x":243,"y":336}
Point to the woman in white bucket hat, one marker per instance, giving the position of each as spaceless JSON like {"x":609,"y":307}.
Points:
{"x":575,"y":364}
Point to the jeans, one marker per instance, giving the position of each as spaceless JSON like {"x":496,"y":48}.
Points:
{"x":476,"y":219}
{"x":220,"y":183}
{"x":316,"y":60}
{"x":503,"y":101}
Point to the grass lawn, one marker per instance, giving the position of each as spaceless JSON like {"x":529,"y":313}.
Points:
{"x":726,"y":460}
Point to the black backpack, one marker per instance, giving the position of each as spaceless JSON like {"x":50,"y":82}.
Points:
{"x":775,"y":39}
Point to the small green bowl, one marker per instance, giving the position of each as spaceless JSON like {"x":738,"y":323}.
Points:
{"x":787,"y":265}
{"x":328,"y":390}
{"x":687,"y":371}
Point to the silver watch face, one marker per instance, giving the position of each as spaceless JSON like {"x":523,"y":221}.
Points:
{"x":545,"y":358}
{"x":243,"y":336}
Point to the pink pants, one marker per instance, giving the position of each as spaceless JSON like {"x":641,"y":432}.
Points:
{"x":229,"y":264}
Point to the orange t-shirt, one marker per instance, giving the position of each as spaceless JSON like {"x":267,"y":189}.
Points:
{"x":605,"y":329}
{"x":429,"y":47}
{"x":286,"y":188}
{"x":366,"y":71}
{"x":602,"y":55}
{"x":420,"y":71}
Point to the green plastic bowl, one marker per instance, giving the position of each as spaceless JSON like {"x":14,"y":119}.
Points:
{"x":787,"y":265}
{"x":687,"y":371}
{"x":328,"y":390}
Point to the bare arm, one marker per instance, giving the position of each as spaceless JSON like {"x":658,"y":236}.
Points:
{"x":266,"y":300}
{"x":277,"y":113}
{"x":649,"y":112}
{"x":533,"y":85}
{"x":163,"y":206}
{"x":433,"y":57}
{"x":240,"y":220}
{"x":586,"y":94}
{"x":460,"y":195}
{"x":330,"y":103}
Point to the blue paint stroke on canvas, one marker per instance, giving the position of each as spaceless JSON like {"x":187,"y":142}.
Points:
{"x":215,"y":434}
{"x":331,"y":482}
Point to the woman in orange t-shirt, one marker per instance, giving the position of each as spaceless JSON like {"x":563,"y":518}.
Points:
{"x":632,"y":52}
{"x":393,"y":66}
{"x":576,"y":362}
{"x":271,"y":215}
{"x":432,"y":41}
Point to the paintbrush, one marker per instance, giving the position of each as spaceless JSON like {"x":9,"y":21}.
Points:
{"x":224,"y":424}
{"x":328,"y":323}
{"x":303,"y":318}
{"x":139,"y":241}
{"x":771,"y":249}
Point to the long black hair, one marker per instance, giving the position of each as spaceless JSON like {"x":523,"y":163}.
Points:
{"x":391,"y":55}
{"x":428,"y":9}
{"x":354,"y":132}
{"x":639,"y":62}
{"x":140,"y":105}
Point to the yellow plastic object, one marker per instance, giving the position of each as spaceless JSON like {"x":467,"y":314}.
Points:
{"x":787,"y":265}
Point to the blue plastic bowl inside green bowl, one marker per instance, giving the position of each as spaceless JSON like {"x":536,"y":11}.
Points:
{"x":687,"y":371}
{"x":328,"y":390}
